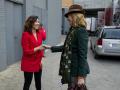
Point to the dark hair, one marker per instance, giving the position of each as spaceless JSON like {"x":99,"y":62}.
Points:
{"x":29,"y":23}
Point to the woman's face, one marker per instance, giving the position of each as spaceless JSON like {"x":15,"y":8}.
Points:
{"x":36,"y":24}
{"x":70,"y":20}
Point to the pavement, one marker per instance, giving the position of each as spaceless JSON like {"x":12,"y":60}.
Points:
{"x":105,"y":74}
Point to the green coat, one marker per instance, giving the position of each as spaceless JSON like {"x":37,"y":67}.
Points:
{"x":74,"y":54}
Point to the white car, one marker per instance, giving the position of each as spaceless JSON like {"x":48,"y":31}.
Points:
{"x":106,"y":41}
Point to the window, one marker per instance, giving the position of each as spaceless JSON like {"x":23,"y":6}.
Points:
{"x":111,"y":34}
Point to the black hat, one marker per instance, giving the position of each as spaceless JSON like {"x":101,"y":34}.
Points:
{"x":75,"y":9}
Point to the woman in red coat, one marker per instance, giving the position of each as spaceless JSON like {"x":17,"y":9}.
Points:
{"x":32,"y":52}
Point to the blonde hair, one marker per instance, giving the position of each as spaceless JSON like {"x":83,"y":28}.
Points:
{"x":78,"y":20}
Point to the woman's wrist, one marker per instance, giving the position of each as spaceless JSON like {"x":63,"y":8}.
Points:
{"x":36,"y":49}
{"x":46,"y":46}
{"x":39,"y":48}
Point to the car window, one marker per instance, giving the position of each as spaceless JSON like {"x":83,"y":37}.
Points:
{"x":111,"y":34}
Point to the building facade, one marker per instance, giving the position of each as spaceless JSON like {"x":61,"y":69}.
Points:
{"x":13,"y":13}
{"x":93,"y":3}
{"x":116,"y":12}
{"x":66,"y":3}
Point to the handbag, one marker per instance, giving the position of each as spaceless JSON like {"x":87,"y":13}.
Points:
{"x":82,"y":87}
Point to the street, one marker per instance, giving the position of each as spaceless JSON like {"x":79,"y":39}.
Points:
{"x":105,"y":74}
{"x":29,"y":26}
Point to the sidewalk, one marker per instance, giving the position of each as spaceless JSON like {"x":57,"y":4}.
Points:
{"x":104,"y":74}
{"x":12,"y":78}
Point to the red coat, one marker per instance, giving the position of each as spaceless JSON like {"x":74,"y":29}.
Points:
{"x":43,"y":31}
{"x":31,"y":61}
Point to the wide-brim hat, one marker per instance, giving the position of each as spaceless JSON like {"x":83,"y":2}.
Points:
{"x":75,"y":9}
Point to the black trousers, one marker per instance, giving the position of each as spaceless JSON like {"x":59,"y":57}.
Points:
{"x":28,"y":79}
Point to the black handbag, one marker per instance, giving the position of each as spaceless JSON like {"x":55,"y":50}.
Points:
{"x":82,"y":87}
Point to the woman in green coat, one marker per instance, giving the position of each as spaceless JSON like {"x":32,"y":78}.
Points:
{"x":73,"y":65}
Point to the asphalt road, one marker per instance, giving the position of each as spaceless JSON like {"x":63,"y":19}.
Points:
{"x":105,"y":73}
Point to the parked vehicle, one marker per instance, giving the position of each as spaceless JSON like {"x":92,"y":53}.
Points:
{"x":88,"y":20}
{"x":106,"y":41}
{"x":91,"y":25}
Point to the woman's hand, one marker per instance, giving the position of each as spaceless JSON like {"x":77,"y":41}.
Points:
{"x":39,"y":48}
{"x":46,"y":46}
{"x":81,"y":81}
